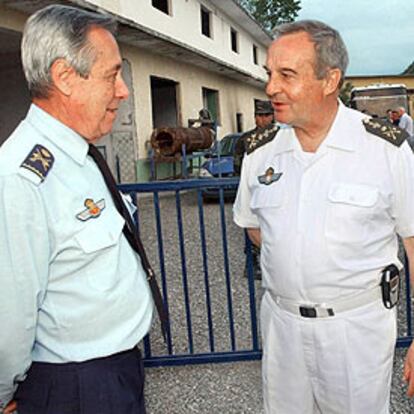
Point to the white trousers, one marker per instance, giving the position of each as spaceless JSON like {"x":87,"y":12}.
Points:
{"x":336,"y":365}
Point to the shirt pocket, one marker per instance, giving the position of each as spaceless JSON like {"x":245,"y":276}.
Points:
{"x":100,"y":243}
{"x":356,"y":195}
{"x":267,"y":197}
{"x":269,"y":204}
{"x":100,"y":234}
{"x":350,"y":212}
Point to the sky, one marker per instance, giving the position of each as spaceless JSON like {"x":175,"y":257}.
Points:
{"x":379,"y":34}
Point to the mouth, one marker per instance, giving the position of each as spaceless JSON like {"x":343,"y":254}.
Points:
{"x":112,"y":110}
{"x":278,"y":106}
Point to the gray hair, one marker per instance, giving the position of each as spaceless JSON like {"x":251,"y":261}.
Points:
{"x":330,"y":49}
{"x":59,"y":32}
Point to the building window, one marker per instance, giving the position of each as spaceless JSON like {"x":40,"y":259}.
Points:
{"x":234,"y":41}
{"x":205,"y":22}
{"x":239,"y":122}
{"x":211,"y":102}
{"x":255,"y":55}
{"x":161,"y":5}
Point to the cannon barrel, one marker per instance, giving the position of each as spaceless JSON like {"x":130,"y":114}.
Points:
{"x":168,"y":141}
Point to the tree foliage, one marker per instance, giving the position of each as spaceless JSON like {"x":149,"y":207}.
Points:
{"x":345,"y":93}
{"x":270,"y":13}
{"x":409,"y":70}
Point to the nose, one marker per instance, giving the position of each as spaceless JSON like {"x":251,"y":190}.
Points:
{"x":122,"y":91}
{"x":273,"y":86}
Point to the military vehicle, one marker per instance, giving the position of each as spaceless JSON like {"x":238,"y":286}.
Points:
{"x":376,"y":99}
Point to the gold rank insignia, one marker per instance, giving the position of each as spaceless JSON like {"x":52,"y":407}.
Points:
{"x":92,"y":210}
{"x":260,"y":137}
{"x":385,"y":130}
{"x":269,"y":176}
{"x":39,"y":161}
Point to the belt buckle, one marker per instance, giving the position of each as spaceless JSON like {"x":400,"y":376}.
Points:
{"x":308,"y":311}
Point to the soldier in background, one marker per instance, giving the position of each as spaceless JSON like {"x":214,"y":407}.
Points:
{"x":264,"y":129}
{"x":263,"y":116}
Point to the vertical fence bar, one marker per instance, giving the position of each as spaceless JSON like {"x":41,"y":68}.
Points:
{"x":227,"y":269}
{"x":252,"y":291}
{"x":147,"y":341}
{"x":157,"y":212}
{"x":205,"y":269}
{"x":184,"y":271}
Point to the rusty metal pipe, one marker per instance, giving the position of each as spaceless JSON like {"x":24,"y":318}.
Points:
{"x":168,"y":141}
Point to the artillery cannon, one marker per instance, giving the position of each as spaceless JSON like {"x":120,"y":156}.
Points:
{"x":169,"y":141}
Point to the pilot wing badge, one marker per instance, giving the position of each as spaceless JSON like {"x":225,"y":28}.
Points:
{"x":92,"y":210}
{"x":269,"y":176}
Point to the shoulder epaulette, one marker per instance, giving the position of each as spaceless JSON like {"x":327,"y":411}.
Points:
{"x":261,"y":137}
{"x":39,"y":161}
{"x":385,"y":130}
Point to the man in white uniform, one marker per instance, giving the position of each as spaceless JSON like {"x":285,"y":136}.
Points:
{"x":405,"y":122}
{"x":325,"y":200}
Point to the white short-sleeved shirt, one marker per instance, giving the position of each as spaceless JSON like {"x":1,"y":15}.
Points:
{"x":329,"y":224}
{"x":406,"y":123}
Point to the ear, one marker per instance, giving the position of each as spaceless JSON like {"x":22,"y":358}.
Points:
{"x":332,"y":79}
{"x":63,"y":76}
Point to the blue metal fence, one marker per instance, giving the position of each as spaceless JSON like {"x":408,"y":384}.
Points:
{"x":198,"y":332}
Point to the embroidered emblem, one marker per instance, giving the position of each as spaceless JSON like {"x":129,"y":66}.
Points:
{"x":269,"y":176}
{"x":92,"y":210}
{"x":39,"y":161}
{"x":384,"y":130}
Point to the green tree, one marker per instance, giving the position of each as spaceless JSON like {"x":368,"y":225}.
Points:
{"x":270,"y":13}
{"x":345,"y":93}
{"x":409,"y":70}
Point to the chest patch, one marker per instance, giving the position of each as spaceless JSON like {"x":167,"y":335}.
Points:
{"x":269,"y":176}
{"x":92,"y":209}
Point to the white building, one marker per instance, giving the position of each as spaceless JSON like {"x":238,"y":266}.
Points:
{"x":179,"y":56}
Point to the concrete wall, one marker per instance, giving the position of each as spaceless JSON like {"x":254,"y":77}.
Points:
{"x":234,"y":97}
{"x":184,"y":25}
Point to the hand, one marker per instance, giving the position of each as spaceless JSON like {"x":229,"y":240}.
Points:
{"x":11,"y":407}
{"x":409,"y":370}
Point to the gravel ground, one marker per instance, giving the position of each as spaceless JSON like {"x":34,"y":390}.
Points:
{"x":231,"y":388}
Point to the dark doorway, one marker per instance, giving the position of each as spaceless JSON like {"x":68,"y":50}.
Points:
{"x":15,"y":99}
{"x":164,"y":102}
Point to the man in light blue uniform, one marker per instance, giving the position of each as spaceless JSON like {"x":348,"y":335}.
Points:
{"x":75,"y":299}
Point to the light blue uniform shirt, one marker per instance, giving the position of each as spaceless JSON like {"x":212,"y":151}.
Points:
{"x":72,"y":289}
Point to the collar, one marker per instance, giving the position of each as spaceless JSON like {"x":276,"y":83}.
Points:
{"x":70,"y":142}
{"x":342,"y":135}
{"x":285,"y":140}
{"x":344,"y":132}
